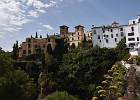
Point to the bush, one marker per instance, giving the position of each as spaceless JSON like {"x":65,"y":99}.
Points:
{"x":60,"y":96}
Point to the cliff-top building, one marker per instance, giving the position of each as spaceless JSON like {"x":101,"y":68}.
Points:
{"x":133,"y":36}
{"x":76,"y":37}
{"x":108,"y":36}
{"x":34,"y":45}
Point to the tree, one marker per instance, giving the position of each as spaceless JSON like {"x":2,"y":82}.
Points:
{"x":60,"y":96}
{"x":73,"y":46}
{"x":36,"y":36}
{"x":49,"y":49}
{"x":122,"y":44}
{"x":1,"y":51}
{"x":82,"y":69}
{"x":113,"y":85}
{"x":14,"y":84}
{"x":122,"y":50}
{"x":40,"y":36}
{"x":15,"y":51}
{"x":59,"y":49}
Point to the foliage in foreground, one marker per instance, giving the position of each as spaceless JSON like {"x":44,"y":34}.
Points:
{"x":113,"y":85}
{"x":14,"y":84}
{"x":80,"y":71}
{"x":60,"y":96}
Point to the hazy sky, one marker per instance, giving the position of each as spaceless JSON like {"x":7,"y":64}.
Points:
{"x":21,"y":18}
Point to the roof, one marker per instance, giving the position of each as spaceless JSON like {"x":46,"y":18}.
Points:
{"x":79,"y":26}
{"x":64,"y":26}
{"x":108,"y":26}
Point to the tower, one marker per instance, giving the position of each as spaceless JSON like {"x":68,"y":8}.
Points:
{"x":64,"y":30}
{"x":79,"y":30}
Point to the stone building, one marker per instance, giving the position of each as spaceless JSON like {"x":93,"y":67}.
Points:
{"x":76,"y":37}
{"x":34,"y":45}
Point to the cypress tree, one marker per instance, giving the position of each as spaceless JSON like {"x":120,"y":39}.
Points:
{"x":14,"y":52}
{"x":40,"y":36}
{"x":36,"y":36}
{"x":49,"y":49}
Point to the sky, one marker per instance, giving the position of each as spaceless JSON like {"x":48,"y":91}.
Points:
{"x":22,"y":18}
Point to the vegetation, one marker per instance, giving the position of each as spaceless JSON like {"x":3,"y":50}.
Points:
{"x":113,"y":85}
{"x":14,"y":84}
{"x":60,"y":96}
{"x":77,"y":71}
{"x":122,"y":51}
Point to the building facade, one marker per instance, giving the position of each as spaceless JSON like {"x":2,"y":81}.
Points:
{"x":76,"y":37}
{"x":133,"y":36}
{"x":108,"y":36}
{"x":34,"y":45}
{"x":88,"y":35}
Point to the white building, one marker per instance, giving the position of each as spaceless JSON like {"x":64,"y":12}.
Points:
{"x":108,"y":36}
{"x":133,"y":36}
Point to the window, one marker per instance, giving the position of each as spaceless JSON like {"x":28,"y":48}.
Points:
{"x":100,"y":40}
{"x":130,"y":34}
{"x":133,"y":22}
{"x":103,"y":31}
{"x":29,"y":51}
{"x":90,"y":34}
{"x":24,"y":51}
{"x":29,"y":45}
{"x":121,"y":34}
{"x":131,"y":39}
{"x":94,"y":31}
{"x":111,"y":35}
{"x":107,"y":36}
{"x":78,"y":33}
{"x":121,"y":29}
{"x":72,"y":34}
{"x":111,"y":30}
{"x":115,"y":39}
{"x":72,"y":39}
{"x":137,"y":38}
{"x":98,"y":36}
{"x":132,"y":44}
{"x":78,"y":38}
{"x":116,"y":35}
{"x":106,"y":41}
{"x":132,"y":28}
{"x":91,"y":37}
